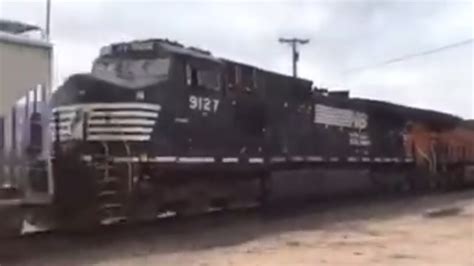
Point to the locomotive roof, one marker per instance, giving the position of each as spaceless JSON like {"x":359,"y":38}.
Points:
{"x":308,"y":83}
{"x":434,"y":118}
{"x":155,"y":46}
{"x":430,"y":116}
{"x":468,"y":123}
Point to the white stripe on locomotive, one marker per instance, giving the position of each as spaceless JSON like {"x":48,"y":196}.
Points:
{"x":111,"y":114}
{"x":93,"y":130}
{"x":135,"y":121}
{"x":104,"y":137}
{"x":120,"y":105}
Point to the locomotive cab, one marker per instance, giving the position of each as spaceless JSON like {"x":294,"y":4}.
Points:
{"x":138,"y":79}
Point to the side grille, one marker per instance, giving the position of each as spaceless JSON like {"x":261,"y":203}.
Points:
{"x":105,"y":121}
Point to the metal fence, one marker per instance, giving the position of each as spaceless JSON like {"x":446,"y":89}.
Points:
{"x":18,"y":135}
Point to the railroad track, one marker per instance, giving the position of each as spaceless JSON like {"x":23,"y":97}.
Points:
{"x":32,"y":249}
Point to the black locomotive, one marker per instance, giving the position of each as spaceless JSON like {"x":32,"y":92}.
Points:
{"x":157,"y":127}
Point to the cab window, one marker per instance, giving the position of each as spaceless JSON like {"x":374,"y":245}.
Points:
{"x":208,"y":78}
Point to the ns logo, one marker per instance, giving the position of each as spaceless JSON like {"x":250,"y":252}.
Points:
{"x":203,"y":104}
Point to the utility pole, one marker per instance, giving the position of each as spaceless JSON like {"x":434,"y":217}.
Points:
{"x":48,"y":19}
{"x":294,"y":42}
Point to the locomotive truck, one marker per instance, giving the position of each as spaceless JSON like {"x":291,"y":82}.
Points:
{"x":157,"y":127}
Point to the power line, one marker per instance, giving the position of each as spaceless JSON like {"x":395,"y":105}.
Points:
{"x":410,"y":56}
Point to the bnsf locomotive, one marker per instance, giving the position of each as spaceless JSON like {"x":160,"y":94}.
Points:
{"x":157,"y":127}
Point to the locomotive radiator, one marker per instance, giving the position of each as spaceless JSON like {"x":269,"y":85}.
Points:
{"x":104,"y":122}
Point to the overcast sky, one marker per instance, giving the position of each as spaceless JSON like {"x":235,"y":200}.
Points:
{"x":344,"y":35}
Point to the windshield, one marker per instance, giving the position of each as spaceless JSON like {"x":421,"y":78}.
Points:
{"x":132,"y":72}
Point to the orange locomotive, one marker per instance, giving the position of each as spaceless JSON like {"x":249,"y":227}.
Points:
{"x":447,"y":154}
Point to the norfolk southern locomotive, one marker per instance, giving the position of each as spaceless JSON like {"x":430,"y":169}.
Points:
{"x":157,"y":127}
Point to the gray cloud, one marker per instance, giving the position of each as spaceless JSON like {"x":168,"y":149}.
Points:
{"x":343,"y":35}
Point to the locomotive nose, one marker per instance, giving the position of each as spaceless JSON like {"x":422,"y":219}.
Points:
{"x":90,"y":110}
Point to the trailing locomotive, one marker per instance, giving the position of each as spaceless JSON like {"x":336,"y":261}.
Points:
{"x":158,"y":127}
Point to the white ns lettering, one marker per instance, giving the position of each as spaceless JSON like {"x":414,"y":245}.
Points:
{"x":203,"y":104}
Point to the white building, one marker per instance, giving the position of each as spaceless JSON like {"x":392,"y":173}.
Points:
{"x":25,"y":65}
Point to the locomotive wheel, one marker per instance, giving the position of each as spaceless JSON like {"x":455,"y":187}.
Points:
{"x":458,"y":178}
{"x":265,"y":190}
{"x":199,"y":204}
{"x":459,"y":181}
{"x":84,"y":222}
{"x":452,"y":182}
{"x":405,"y":185}
{"x":419,"y":181}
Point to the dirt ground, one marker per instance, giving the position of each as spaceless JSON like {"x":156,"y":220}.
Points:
{"x":356,"y":232}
